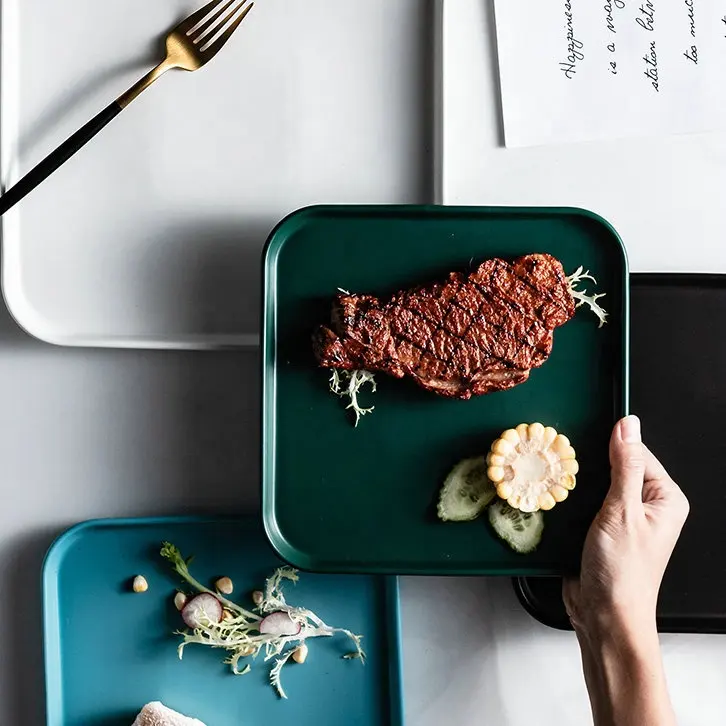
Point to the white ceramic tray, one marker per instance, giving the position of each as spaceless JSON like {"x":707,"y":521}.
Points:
{"x":151,"y":235}
{"x":664,"y":194}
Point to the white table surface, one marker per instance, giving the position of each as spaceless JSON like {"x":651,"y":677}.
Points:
{"x":91,"y":433}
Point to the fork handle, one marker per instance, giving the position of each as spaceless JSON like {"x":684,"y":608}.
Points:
{"x":58,"y":157}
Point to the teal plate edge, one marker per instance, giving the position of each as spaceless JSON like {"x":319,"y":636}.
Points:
{"x":272,"y":248}
{"x":51,"y":629}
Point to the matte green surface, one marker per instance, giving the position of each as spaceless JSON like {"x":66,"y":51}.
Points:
{"x":337,"y":498}
{"x":108,"y":651}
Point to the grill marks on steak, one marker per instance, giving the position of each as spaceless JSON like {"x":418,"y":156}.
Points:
{"x":470,"y":335}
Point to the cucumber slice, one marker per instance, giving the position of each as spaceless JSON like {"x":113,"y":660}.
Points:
{"x":466,"y":492}
{"x":522,"y":531}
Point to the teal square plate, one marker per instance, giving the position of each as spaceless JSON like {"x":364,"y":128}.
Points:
{"x":108,"y":651}
{"x":343,"y":499}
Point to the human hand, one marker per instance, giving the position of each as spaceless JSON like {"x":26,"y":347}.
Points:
{"x":629,"y":543}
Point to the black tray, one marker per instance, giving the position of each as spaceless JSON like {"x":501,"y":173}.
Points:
{"x":678,"y":388}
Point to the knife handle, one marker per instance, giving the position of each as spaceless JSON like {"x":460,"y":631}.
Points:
{"x":58,"y":157}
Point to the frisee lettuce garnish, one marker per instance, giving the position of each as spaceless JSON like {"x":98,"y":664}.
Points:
{"x":349,"y":383}
{"x":238,"y":631}
{"x":576,"y":278}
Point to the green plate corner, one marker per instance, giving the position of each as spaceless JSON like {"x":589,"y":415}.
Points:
{"x":362,"y":500}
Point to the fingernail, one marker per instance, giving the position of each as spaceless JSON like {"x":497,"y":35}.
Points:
{"x":630,"y":430}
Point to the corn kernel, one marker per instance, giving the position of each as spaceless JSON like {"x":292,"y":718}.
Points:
{"x":495,"y":473}
{"x":300,"y":654}
{"x":570,"y":466}
{"x":504,"y":490}
{"x":529,"y":503}
{"x":559,"y":493}
{"x":140,"y":584}
{"x":503,"y":447}
{"x":568,"y":481}
{"x":549,"y":436}
{"x":224,"y":585}
{"x":561,"y":443}
{"x":546,"y":501}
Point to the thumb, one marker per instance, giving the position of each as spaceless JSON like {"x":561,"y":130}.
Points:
{"x":627,"y":461}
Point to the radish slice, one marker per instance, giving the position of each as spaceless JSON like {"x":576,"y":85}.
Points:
{"x":279,"y":624}
{"x":202,"y":609}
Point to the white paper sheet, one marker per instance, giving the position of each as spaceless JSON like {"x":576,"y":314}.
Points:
{"x":575,"y":70}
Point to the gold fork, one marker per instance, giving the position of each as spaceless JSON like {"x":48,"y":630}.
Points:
{"x":189,"y":46}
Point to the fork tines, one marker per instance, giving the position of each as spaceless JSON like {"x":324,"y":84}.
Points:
{"x":211,"y":26}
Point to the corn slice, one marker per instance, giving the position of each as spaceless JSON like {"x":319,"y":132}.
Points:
{"x":532,"y":467}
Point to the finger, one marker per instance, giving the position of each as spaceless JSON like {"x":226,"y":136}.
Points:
{"x":627,"y":462}
{"x":658,"y":484}
{"x":654,"y":470}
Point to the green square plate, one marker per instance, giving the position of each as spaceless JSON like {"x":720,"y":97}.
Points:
{"x":343,"y":499}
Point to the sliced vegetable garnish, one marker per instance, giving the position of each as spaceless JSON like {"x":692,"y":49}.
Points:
{"x":272,"y":626}
{"x":522,"y":531}
{"x":466,"y":492}
{"x":532,"y":467}
{"x":202,"y":610}
{"x":279,"y":624}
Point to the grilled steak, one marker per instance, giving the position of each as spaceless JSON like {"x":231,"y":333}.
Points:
{"x":470,"y":335}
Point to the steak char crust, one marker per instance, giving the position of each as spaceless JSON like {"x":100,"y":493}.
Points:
{"x":470,"y":335}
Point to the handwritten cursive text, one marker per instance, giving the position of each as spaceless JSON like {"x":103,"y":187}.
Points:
{"x":651,"y":66}
{"x":691,"y":16}
{"x":575,"y":47}
{"x":646,"y":16}
{"x":610,"y":7}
